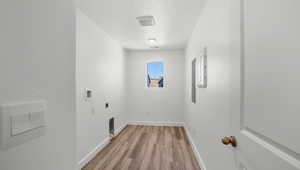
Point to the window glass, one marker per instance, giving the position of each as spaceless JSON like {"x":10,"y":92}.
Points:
{"x":155,"y":75}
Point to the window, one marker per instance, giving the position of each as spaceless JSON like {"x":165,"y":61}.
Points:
{"x":155,"y":75}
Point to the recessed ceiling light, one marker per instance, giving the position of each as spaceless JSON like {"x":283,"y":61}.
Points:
{"x":147,"y":20}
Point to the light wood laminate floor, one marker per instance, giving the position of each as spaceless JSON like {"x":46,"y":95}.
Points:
{"x":147,"y":148}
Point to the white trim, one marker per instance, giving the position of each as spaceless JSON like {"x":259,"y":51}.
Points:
{"x":98,"y":148}
{"x":276,"y":151}
{"x":149,"y":123}
{"x":195,"y":150}
{"x":93,"y":153}
{"x":120,"y":129}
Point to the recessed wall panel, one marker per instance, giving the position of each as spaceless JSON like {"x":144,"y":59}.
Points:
{"x":271,"y":71}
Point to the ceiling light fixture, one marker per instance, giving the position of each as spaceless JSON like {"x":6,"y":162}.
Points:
{"x":153,"y":43}
{"x":152,"y":40}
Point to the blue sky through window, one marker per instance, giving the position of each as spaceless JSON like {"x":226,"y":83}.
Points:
{"x":155,"y":70}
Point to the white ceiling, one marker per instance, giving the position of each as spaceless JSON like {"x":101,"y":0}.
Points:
{"x":175,"y":20}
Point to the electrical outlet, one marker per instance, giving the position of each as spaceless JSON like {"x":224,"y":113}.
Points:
{"x":88,"y":94}
{"x":106,"y":105}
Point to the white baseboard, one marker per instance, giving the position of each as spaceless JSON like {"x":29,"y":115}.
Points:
{"x":120,"y":129}
{"x":149,"y":123}
{"x":93,"y":153}
{"x":98,"y":148}
{"x":195,"y":150}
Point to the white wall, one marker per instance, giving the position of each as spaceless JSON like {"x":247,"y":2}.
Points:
{"x":100,"y":67}
{"x":155,"y":104}
{"x":209,"y":119}
{"x":37,"y":61}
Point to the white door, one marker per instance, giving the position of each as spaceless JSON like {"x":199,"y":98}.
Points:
{"x":266,"y":84}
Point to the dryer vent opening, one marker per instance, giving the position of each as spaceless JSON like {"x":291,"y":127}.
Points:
{"x":112,"y":126}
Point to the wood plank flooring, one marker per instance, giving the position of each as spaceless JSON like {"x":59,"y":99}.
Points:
{"x":147,"y":148}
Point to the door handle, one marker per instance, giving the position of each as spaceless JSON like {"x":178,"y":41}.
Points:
{"x":229,"y":140}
